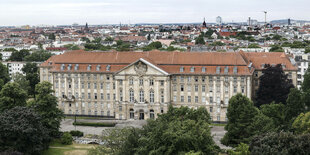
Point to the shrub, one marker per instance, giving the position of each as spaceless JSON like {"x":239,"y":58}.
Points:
{"x":77,"y":133}
{"x":66,"y":138}
{"x":101,"y":124}
{"x":283,"y":143}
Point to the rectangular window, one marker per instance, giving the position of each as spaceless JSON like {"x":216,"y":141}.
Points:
{"x":141,"y":82}
{"x":203,"y":79}
{"x":95,"y":85}
{"x":151,"y":82}
{"x":108,"y":96}
{"x":203,"y":88}
{"x":211,"y":109}
{"x":162,"y":82}
{"x":101,"y":96}
{"x":196,"y":88}
{"x":182,"y":87}
{"x":242,"y":89}
{"x":196,"y":99}
{"x":211,"y":100}
{"x":189,"y":88}
{"x":235,"y":89}
{"x":101,"y":85}
{"x":182,"y":98}
{"x":95,"y":96}
{"x":182,"y":78}
{"x":189,"y":79}
{"x":130,"y":81}
{"x":88,"y":85}
{"x":174,"y":87}
{"x":174,"y":98}
{"x":82,"y":85}
{"x":108,"y":86}
{"x":196,"y":78}
{"x":83,"y":95}
{"x":203,"y":99}
{"x":88,"y":96}
{"x":189,"y":100}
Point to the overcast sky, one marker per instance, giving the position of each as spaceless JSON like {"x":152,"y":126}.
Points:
{"x":56,"y":12}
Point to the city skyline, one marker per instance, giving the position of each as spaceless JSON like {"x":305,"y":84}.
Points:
{"x":95,"y":12}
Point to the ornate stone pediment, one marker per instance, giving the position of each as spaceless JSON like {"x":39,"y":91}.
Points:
{"x":140,"y":68}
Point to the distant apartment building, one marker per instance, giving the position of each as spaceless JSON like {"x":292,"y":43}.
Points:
{"x":5,"y":55}
{"x":14,"y":67}
{"x":140,"y":85}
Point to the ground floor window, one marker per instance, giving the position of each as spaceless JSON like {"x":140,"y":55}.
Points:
{"x":152,"y":115}
{"x":131,"y":114}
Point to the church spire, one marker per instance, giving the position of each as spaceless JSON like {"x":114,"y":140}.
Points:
{"x":204,"y":24}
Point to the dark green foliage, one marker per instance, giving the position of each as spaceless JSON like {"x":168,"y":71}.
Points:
{"x":274,"y":86}
{"x":19,"y":55}
{"x":262,"y":124}
{"x":0,"y":57}
{"x":152,"y":46}
{"x":22,"y":81}
{"x":200,"y":40}
{"x":11,"y":96}
{"x":38,"y":56}
{"x":85,"y":39}
{"x":31,"y":70}
{"x":276,"y":37}
{"x":294,"y":105}
{"x":276,"y":48}
{"x":179,"y":131}
{"x":283,"y":143}
{"x":108,"y":39}
{"x":77,"y":133}
{"x":52,"y":36}
{"x":217,"y":43}
{"x":253,"y":46}
{"x":46,"y":105}
{"x":240,"y":113}
{"x":21,"y":130}
{"x":4,"y":75}
{"x":66,"y":138}
{"x":302,"y":123}
{"x":241,"y":149}
{"x":101,"y":124}
{"x":276,"y":112}
{"x":10,"y":49}
{"x":72,"y":47}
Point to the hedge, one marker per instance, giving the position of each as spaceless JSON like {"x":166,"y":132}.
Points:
{"x":76,"y":133}
{"x":94,"y":124}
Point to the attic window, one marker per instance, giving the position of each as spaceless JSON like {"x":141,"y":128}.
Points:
{"x":108,"y":68}
{"x":182,"y":69}
{"x":69,"y":67}
{"x":283,"y":66}
{"x":203,"y":69}
{"x":62,"y":67}
{"x":192,"y":69}
{"x":235,"y":70}
{"x":98,"y":67}
{"x":89,"y":67}
{"x":76,"y":67}
{"x":263,"y":65}
{"x":218,"y":70}
{"x":50,"y":63}
{"x":226,"y":70}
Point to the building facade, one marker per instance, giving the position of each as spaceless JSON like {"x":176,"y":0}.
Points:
{"x":140,"y":85}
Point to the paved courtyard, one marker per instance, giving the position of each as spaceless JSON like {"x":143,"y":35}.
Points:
{"x":66,"y":125}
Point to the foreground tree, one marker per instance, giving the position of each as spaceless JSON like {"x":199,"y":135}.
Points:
{"x":284,"y":143}
{"x":46,"y":105}
{"x":276,"y":112}
{"x":11,"y":96}
{"x":179,"y":131}
{"x":21,"y":130}
{"x":305,"y":87}
{"x":294,"y":105}
{"x":22,"y":81}
{"x":32,"y":75}
{"x":240,"y":114}
{"x":4,"y":75}
{"x":19,"y":55}
{"x":302,"y":123}
{"x":274,"y":86}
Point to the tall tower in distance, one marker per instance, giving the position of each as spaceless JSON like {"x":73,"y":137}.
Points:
{"x":219,"y":20}
{"x":289,"y":21}
{"x":204,"y":24}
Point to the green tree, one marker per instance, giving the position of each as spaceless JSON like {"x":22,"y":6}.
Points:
{"x":46,"y":105}
{"x":21,"y":130}
{"x":31,"y":70}
{"x":200,"y":40}
{"x":22,"y":81}
{"x":4,"y":75}
{"x":253,"y":46}
{"x":19,"y":55}
{"x":72,"y":47}
{"x":276,"y":37}
{"x":109,"y":39}
{"x":276,"y":48}
{"x":52,"y":36}
{"x":284,"y":143}
{"x":301,"y":124}
{"x":262,"y":124}
{"x":274,"y":86}
{"x":294,"y":105}
{"x":66,"y":138}
{"x":240,"y":113}
{"x":38,"y":56}
{"x":276,"y":112}
{"x":11,"y":96}
{"x":0,"y":57}
{"x":241,"y":149}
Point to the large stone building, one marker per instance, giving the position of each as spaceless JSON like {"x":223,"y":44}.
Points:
{"x":140,"y":85}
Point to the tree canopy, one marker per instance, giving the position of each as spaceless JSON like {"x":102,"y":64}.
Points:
{"x":273,"y":86}
{"x":240,"y":114}
{"x":12,"y":95}
{"x":38,"y":56}
{"x":32,"y":75}
{"x":19,"y":55}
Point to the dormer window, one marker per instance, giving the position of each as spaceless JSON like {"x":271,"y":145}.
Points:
{"x":218,"y":70}
{"x":182,"y":69}
{"x":203,"y":69}
{"x":283,"y":66}
{"x":98,"y":67}
{"x":62,"y":67}
{"x":69,"y":67}
{"x":226,"y":69}
{"x":50,"y":63}
{"x":235,"y":70}
{"x":108,"y":68}
{"x":192,"y":69}
{"x":89,"y":67}
{"x":263,"y":65}
{"x":76,"y":67}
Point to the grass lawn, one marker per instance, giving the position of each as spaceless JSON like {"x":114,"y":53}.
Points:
{"x":216,"y":124}
{"x":57,"y":148}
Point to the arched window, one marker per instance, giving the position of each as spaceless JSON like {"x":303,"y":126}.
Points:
{"x":131,"y":95}
{"x":131,"y":114}
{"x":152,"y":115}
{"x":151,"y":96}
{"x":141,"y":96}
